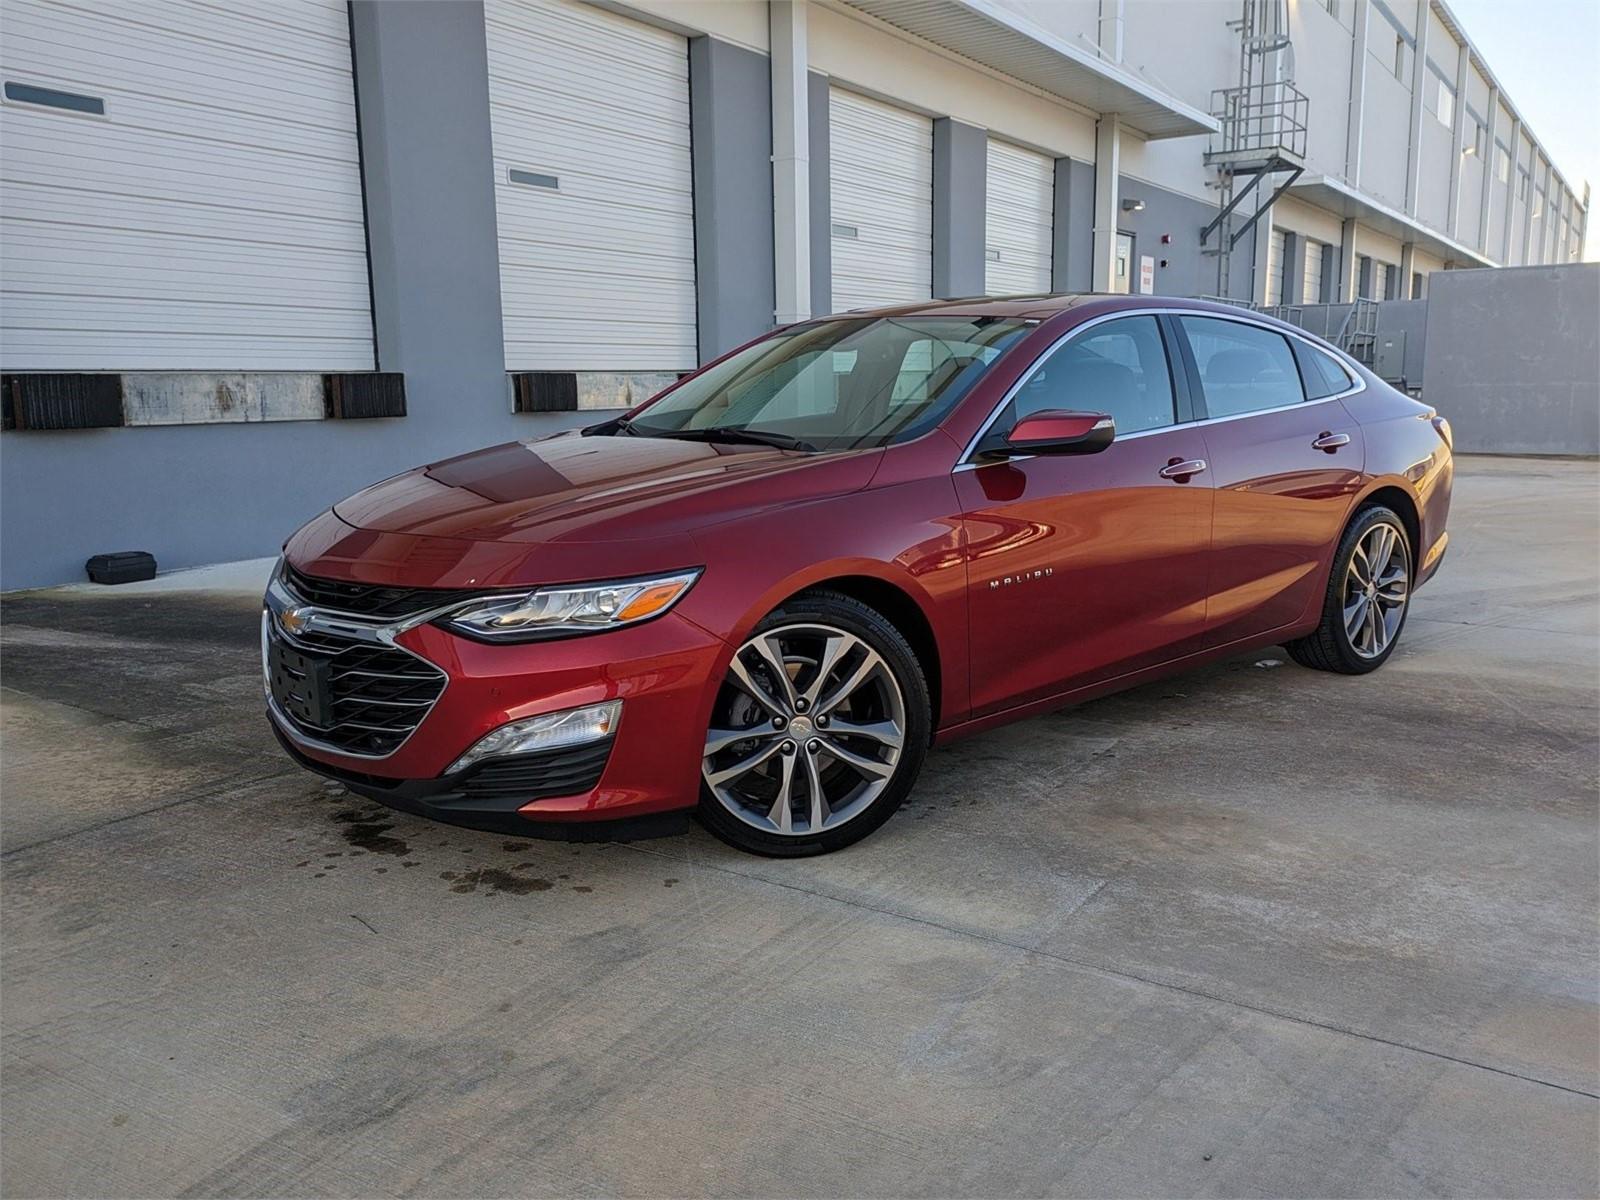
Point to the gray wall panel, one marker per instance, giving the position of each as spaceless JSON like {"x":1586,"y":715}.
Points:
{"x":960,"y":184}
{"x":821,"y":196}
{"x":1073,"y":267}
{"x":1189,"y":271}
{"x":730,"y":118}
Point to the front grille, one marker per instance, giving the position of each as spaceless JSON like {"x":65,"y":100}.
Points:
{"x":369,"y":696}
{"x":370,"y":599}
{"x":566,"y":772}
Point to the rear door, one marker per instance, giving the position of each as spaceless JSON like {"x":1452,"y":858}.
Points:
{"x":1085,"y":567}
{"x":1284,"y":468}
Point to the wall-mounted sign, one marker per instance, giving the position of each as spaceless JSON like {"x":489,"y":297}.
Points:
{"x":1147,"y":275}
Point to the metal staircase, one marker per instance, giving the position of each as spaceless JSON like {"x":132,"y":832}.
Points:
{"x":1358,"y":334}
{"x":1262,"y":142}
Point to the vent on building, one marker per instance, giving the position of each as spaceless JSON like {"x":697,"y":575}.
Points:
{"x":365,"y":394}
{"x":62,"y":401}
{"x":545,"y":391}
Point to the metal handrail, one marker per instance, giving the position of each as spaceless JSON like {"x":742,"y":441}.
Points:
{"x":1260,"y":118}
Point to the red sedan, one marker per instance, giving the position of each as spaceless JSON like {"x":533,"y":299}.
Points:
{"x":767,"y":591}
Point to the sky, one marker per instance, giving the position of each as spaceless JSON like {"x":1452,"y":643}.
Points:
{"x":1546,"y":55}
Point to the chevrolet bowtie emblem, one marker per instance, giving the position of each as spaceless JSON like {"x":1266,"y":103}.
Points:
{"x":294,"y":620}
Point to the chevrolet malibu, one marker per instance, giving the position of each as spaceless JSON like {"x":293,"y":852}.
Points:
{"x":763,"y":594}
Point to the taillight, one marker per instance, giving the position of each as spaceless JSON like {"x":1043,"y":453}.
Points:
{"x":1443,"y":427}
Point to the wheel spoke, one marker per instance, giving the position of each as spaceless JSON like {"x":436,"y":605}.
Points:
{"x":744,"y":766}
{"x":833,"y":649}
{"x":869,"y":767}
{"x":747,"y":683}
{"x":1372,"y":629}
{"x":1355,"y":616}
{"x":781,"y":813}
{"x":721,"y":739}
{"x":885,"y":733}
{"x":820,"y":812}
{"x":869,"y":665}
{"x":1360,"y":567}
{"x":772,"y":655}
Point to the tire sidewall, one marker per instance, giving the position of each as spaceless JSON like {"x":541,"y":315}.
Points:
{"x":1373,"y":515}
{"x":850,"y":615}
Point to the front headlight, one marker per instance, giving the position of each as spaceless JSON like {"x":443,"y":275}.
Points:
{"x":565,"y":609}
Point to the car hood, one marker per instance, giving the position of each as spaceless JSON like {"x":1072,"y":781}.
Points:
{"x":599,"y":489}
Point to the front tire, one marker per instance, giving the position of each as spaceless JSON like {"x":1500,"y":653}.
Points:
{"x":818,"y":731}
{"x":1369,"y":595}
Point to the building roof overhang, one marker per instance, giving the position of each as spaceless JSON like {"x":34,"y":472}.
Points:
{"x":1337,"y":196}
{"x":1008,"y":42}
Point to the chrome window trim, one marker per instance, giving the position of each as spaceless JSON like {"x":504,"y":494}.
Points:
{"x":966,"y":462}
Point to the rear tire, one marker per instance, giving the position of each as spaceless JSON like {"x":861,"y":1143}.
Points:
{"x":1368,"y":598}
{"x":816,"y":759}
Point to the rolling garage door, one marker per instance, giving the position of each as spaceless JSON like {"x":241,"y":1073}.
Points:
{"x":1020,"y":221}
{"x":1275,"y":248}
{"x":1311,"y":283}
{"x":882,"y":196}
{"x":593,"y":188}
{"x":181,"y":188}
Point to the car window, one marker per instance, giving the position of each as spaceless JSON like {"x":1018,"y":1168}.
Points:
{"x":1324,"y":375}
{"x":1243,"y":368}
{"x":1118,"y":368}
{"x":929,"y":363}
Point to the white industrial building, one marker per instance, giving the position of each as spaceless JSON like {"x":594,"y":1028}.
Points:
{"x":229,"y":228}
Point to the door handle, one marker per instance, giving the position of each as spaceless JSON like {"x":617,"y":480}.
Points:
{"x":1182,"y":470}
{"x":1331,"y":441}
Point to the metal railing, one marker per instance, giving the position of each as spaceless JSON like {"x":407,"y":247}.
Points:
{"x":1260,"y":120}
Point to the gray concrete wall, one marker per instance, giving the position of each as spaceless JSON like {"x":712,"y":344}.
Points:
{"x":209,"y":493}
{"x":730,"y":124}
{"x":1189,"y":270}
{"x":1512,"y":358}
{"x":960,"y":207}
{"x":821,"y":175}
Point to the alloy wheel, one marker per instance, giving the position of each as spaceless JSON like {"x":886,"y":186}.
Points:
{"x":807,"y":730}
{"x":1377,"y":585}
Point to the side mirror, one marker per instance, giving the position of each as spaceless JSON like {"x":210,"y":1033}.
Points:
{"x":1054,"y":431}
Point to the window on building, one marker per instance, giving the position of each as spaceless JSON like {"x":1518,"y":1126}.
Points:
{"x":1444,"y":101}
{"x":1522,"y":185}
{"x":1119,"y":368}
{"x":1332,"y":7}
{"x":1502,"y":164}
{"x":1243,"y":368}
{"x":1480,"y":141}
{"x":1399,"y":66}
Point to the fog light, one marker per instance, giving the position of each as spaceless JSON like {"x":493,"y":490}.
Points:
{"x":551,"y":731}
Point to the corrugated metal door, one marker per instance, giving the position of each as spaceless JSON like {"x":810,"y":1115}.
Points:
{"x":1020,"y":221}
{"x":1275,"y":247}
{"x":593,"y":188}
{"x":882,"y":197}
{"x":1311,"y":282}
{"x":184,"y":191}
{"x":1380,"y":280}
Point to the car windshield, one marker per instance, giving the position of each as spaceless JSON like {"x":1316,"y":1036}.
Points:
{"x":837,"y":384}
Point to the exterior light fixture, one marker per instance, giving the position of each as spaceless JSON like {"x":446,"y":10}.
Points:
{"x":1133,"y":206}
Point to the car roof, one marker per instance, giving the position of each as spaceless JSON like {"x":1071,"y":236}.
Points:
{"x":1036,"y":306}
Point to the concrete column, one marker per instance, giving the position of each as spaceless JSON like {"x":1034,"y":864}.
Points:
{"x":1107,"y":172}
{"x":1358,"y":93}
{"x":1072,"y":232}
{"x":821,"y":174}
{"x":1419,"y":76}
{"x":1110,"y":29}
{"x":1408,"y":268}
{"x":1490,"y":155}
{"x":427,"y":164}
{"x":1261,"y":252}
{"x":1458,"y":140}
{"x":731,"y":131}
{"x":1348,"y":282}
{"x":1511,"y":193}
{"x":791,"y":155}
{"x":960,"y":164}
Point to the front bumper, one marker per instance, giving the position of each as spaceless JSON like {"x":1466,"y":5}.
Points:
{"x":665,"y":672}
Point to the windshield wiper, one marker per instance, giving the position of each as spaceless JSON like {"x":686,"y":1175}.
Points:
{"x":737,"y":433}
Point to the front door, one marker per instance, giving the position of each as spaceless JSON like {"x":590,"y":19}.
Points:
{"x":1084,"y":567}
{"x":1284,"y":467}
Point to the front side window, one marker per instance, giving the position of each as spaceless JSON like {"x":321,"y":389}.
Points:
{"x":837,"y":385}
{"x":1118,"y":368}
{"x":1243,"y":368}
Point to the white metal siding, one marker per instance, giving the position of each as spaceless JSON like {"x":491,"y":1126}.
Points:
{"x":882,"y":198}
{"x":1020,"y":220}
{"x":596,"y":274}
{"x":211,"y":218}
{"x":1275,"y":267}
{"x":1380,"y":280}
{"x":1311,"y":283}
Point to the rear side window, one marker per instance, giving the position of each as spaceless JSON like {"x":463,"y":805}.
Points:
{"x":1118,"y":368}
{"x":1324,"y":375}
{"x":1243,"y":368}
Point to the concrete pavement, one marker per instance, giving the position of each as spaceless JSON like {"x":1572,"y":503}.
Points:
{"x":1250,"y":931}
